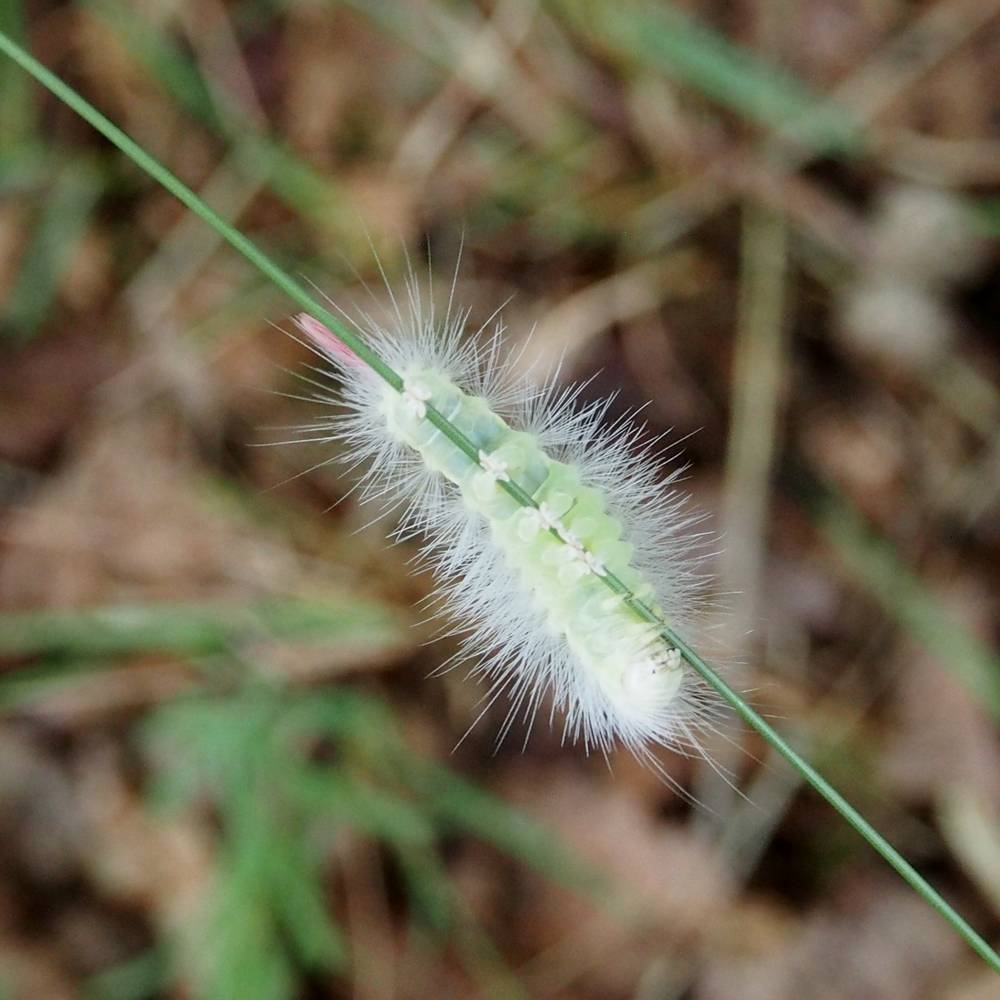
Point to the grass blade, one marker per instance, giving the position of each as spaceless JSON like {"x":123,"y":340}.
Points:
{"x":64,"y":214}
{"x":187,"y":629}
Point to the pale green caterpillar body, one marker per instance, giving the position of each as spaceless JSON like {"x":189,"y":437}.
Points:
{"x":559,"y":549}
{"x":527,"y":583}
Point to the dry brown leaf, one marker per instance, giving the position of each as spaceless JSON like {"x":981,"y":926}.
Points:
{"x":884,"y":944}
{"x":670,"y":884}
{"x":162,"y":866}
{"x":943,"y":738}
{"x":126,"y":520}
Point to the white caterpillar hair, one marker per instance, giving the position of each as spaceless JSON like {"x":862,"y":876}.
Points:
{"x":527,"y":583}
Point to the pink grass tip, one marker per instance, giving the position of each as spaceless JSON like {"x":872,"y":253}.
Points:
{"x":326,"y":340}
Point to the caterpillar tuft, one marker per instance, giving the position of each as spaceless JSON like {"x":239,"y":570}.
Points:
{"x":545,"y":526}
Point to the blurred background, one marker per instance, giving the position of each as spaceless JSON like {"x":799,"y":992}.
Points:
{"x":226,"y":770}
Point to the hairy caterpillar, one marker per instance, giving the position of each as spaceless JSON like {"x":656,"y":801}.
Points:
{"x":527,"y":579}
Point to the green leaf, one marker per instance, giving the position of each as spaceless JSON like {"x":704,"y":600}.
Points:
{"x":302,"y":910}
{"x":875,"y":564}
{"x":459,"y":802}
{"x":62,"y":217}
{"x":139,"y":978}
{"x":192,"y":629}
{"x":160,"y":57}
{"x":263,"y":158}
{"x":664,"y":38}
{"x":17,"y":106}
{"x":241,"y":954}
{"x":28,"y":169}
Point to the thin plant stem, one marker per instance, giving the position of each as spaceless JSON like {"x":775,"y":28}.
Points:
{"x":759,"y":371}
{"x":828,"y":792}
{"x":351,"y":340}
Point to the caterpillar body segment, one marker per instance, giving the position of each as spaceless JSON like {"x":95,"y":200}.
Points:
{"x":559,"y":549}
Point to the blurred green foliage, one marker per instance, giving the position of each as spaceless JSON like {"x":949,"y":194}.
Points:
{"x":192,"y":629}
{"x":547,"y":187}
{"x":665,"y":39}
{"x":874,"y":563}
{"x":287,"y":773}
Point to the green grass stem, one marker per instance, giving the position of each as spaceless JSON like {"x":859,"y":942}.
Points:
{"x":305,"y":301}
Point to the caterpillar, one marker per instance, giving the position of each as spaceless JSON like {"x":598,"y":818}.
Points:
{"x":526,"y":531}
